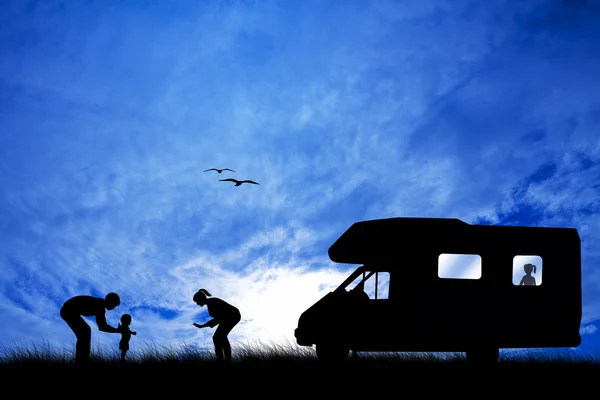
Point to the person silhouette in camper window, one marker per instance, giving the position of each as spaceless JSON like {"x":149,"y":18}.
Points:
{"x":527,"y":279}
{"x":223,"y":314}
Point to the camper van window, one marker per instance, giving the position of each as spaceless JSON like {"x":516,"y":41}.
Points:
{"x":527,"y":270}
{"x":377,"y":286}
{"x":459,"y":266}
{"x":374,"y":284}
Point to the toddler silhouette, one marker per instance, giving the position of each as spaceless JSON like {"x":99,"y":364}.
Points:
{"x":527,"y":279}
{"x":125,"y":334}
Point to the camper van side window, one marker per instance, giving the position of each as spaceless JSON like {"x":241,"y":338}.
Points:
{"x":459,"y":266}
{"x":527,"y":270}
{"x":377,"y":286}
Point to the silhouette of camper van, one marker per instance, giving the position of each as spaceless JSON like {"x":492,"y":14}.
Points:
{"x":423,"y":312}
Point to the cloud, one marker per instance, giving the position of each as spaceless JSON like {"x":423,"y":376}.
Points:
{"x":271,"y":290}
{"x":588,"y":329}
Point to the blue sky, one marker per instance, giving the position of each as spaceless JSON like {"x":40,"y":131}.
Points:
{"x":342,"y":111}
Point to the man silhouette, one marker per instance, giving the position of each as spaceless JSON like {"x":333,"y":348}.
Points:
{"x":76,"y":307}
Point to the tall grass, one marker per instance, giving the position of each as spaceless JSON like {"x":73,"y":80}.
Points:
{"x":151,"y":352}
{"x":289,"y":371}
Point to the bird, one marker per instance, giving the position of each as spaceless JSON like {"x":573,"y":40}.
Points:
{"x":218,"y":170}
{"x":238,"y":183}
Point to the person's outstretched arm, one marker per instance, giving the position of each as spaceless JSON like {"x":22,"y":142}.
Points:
{"x":103,"y":326}
{"x":212,"y":323}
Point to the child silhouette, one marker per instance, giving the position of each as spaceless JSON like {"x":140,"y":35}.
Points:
{"x":125,"y":334}
{"x":527,"y":279}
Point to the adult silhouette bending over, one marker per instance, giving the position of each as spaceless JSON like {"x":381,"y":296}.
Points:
{"x":76,"y":307}
{"x":527,"y":279}
{"x":225,"y":315}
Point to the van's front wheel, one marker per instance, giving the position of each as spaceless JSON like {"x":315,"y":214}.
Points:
{"x":332,"y":352}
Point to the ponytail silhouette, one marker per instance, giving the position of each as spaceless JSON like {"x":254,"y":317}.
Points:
{"x":528,"y":268}
{"x":202,"y":293}
{"x":528,"y":280}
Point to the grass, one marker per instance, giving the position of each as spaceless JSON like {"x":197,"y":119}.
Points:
{"x":290,"y":371}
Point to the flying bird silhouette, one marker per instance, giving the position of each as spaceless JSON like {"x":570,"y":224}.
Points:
{"x":218,"y":170}
{"x":238,"y":183}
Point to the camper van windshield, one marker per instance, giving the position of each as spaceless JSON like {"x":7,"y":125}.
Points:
{"x":358,"y":276}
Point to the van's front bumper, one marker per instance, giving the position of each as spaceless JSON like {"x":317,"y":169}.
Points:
{"x":301,"y":339}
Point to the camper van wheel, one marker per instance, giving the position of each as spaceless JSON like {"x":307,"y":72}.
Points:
{"x":331,"y":352}
{"x":483,"y":356}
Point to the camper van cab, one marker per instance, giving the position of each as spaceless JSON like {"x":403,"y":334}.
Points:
{"x":442,"y":285}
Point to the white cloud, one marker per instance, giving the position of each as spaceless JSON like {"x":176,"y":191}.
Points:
{"x":588,"y":329}
{"x":271,"y":294}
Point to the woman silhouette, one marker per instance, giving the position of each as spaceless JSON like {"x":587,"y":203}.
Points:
{"x":225,"y":315}
{"x":527,"y":279}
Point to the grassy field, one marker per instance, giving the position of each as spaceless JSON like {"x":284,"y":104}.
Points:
{"x":293,"y":372}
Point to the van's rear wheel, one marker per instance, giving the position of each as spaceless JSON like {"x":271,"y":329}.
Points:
{"x":332,"y":352}
{"x":483,"y":355}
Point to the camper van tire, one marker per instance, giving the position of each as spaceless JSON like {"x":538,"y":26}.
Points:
{"x":332,"y":352}
{"x":483,"y":356}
